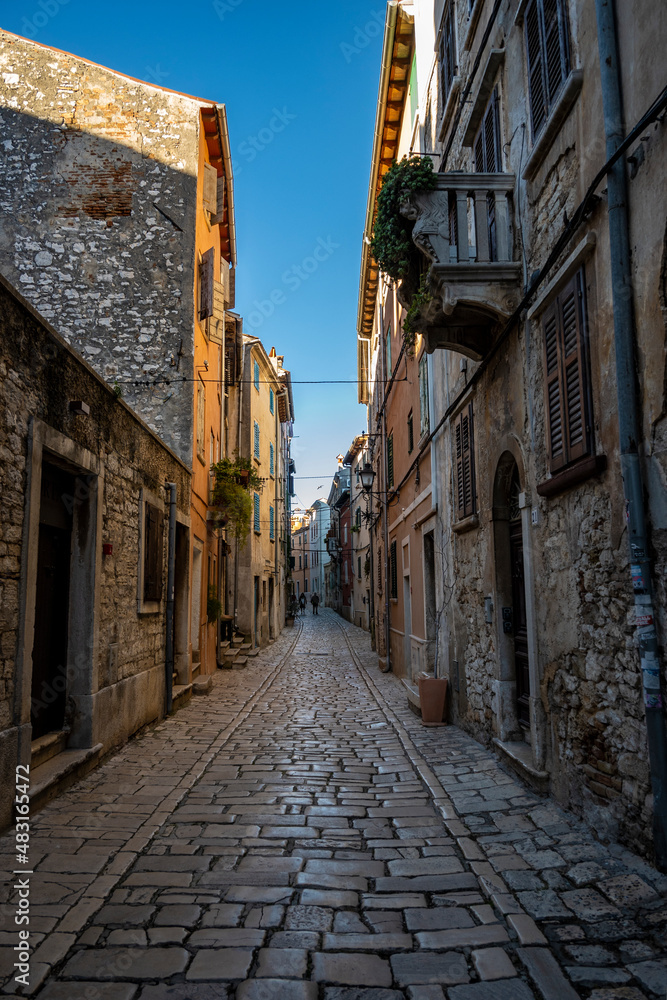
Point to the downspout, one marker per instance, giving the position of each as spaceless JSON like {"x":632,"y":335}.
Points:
{"x":629,"y":423}
{"x":171,"y":566}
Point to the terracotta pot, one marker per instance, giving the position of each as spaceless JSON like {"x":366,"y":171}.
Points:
{"x":432,"y":695}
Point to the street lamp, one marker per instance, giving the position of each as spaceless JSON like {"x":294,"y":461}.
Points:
{"x":367,"y":476}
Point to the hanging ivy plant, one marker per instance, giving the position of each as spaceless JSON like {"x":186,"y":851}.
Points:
{"x":392,"y":245}
{"x":213,"y":605}
{"x":420,"y":299}
{"x":235,"y":480}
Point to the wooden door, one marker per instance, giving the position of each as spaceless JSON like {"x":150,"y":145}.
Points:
{"x":49,"y":652}
{"x":520,"y":624}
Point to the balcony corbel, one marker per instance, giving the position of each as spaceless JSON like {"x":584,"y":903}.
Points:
{"x":464,"y":229}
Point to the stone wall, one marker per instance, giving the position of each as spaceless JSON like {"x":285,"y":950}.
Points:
{"x":115,"y":667}
{"x":97,"y":219}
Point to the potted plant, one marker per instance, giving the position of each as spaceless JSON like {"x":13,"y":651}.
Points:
{"x":213,"y":605}
{"x":234,"y":480}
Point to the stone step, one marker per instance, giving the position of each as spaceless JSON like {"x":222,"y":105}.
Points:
{"x":252,"y":652}
{"x":180,"y":696}
{"x":47,"y":746}
{"x":56,"y":774}
{"x":203,"y":685}
{"x":239,"y":663}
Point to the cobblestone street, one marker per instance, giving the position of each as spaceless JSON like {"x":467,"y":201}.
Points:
{"x":298,"y":835}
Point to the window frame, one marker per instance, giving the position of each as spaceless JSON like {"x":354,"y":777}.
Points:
{"x":447,"y":55}
{"x":147,"y":500}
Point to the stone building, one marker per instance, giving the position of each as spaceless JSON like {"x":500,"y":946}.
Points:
{"x":360,"y":542}
{"x":547,"y":631}
{"x":85,"y":547}
{"x":338,"y":580}
{"x":299,"y":549}
{"x":117,"y":224}
{"x":257,"y":585}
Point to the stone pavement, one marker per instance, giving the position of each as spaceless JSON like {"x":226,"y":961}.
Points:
{"x":299,"y":836}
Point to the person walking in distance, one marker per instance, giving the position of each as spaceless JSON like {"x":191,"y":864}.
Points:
{"x":315,"y":601}
{"x":302,"y":603}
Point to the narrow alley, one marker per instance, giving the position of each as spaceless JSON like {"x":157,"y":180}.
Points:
{"x":298,"y":835}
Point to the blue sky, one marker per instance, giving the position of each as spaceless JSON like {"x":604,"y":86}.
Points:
{"x":300,"y":84}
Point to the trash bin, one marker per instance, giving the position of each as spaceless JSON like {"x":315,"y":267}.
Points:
{"x":432,"y":697}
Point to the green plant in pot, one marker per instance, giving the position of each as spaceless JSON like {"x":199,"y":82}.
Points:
{"x":235,"y":480}
{"x":213,"y":605}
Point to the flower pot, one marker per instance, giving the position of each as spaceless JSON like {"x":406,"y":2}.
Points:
{"x":432,"y":695}
{"x":289,"y":620}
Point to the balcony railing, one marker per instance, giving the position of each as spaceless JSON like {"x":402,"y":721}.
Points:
{"x":464,"y":227}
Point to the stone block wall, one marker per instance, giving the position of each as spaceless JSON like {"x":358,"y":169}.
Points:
{"x":115,"y":675}
{"x":97,"y":220}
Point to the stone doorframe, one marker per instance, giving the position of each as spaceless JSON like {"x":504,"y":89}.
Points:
{"x":47,"y":444}
{"x":505,"y":683}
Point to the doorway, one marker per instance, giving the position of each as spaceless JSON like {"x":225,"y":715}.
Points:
{"x":520,"y":621}
{"x":407,"y":626}
{"x":197,"y":557}
{"x":255,"y":627}
{"x":271,"y":626}
{"x":48,"y":696}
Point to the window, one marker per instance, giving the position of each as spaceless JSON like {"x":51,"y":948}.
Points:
{"x":411,"y":434}
{"x":305,"y":561}
{"x":257,"y":523}
{"x":423,"y":396}
{"x":388,"y":354}
{"x":357,"y":517}
{"x":390,"y":461}
{"x":547,"y":57}
{"x":488,"y":159}
{"x":567,"y":388}
{"x":255,"y":375}
{"x":299,"y":562}
{"x":359,"y":567}
{"x":271,"y":400}
{"x":345,"y":577}
{"x":272,"y":459}
{"x":153,"y":546}
{"x":201,"y":419}
{"x":447,"y":54}
{"x":393,"y":572}
{"x":212,"y":448}
{"x":344,"y":534}
{"x":465,"y":463}
{"x":256,"y":439}
{"x":272,"y":523}
{"x":206,"y":284}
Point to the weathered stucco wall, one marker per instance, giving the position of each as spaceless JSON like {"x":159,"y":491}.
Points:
{"x":115,"y":665}
{"x":97,"y":219}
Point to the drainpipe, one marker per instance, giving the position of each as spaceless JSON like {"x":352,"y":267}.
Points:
{"x":629,"y":425}
{"x":171,"y":565}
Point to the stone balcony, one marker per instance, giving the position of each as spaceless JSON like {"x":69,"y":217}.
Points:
{"x":464,"y":227}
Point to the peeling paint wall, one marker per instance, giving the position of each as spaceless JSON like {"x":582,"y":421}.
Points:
{"x":97,"y":219}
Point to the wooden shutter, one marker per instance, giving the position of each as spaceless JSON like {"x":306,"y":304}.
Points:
{"x":272,"y":523}
{"x":390,"y":461}
{"x":153,"y":544}
{"x":206,"y":284}
{"x":219,"y":214}
{"x":465,"y":463}
{"x":534,"y":51}
{"x":256,"y":440}
{"x":393,"y":571}
{"x":210,"y":188}
{"x":566,"y":377}
{"x":447,"y":54}
{"x":554,"y":389}
{"x":555,"y":47}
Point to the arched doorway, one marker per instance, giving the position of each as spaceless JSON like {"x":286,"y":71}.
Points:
{"x":513,"y":685}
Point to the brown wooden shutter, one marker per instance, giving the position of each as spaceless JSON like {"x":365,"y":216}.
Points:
{"x":210,"y":196}
{"x":390,"y":461}
{"x":206,"y":284}
{"x":574,"y":370}
{"x":554,"y":388}
{"x":153,"y":545}
{"x":219,"y":214}
{"x":393,"y":571}
{"x":465,"y":463}
{"x":555,"y":47}
{"x":538,"y":104}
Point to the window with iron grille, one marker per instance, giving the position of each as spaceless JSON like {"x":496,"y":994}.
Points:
{"x":272,"y":460}
{"x":567,"y":379}
{"x":411,"y":433}
{"x":447,"y":53}
{"x":423,"y":396}
{"x":256,"y":439}
{"x":393,"y":572}
{"x":390,"y":461}
{"x":272,"y":523}
{"x":255,"y":375}
{"x":464,"y":450}
{"x":547,"y":52}
{"x":257,"y":522}
{"x":153,"y":546}
{"x":271,"y":400}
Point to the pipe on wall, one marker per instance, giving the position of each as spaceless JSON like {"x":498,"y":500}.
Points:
{"x":171,"y":575}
